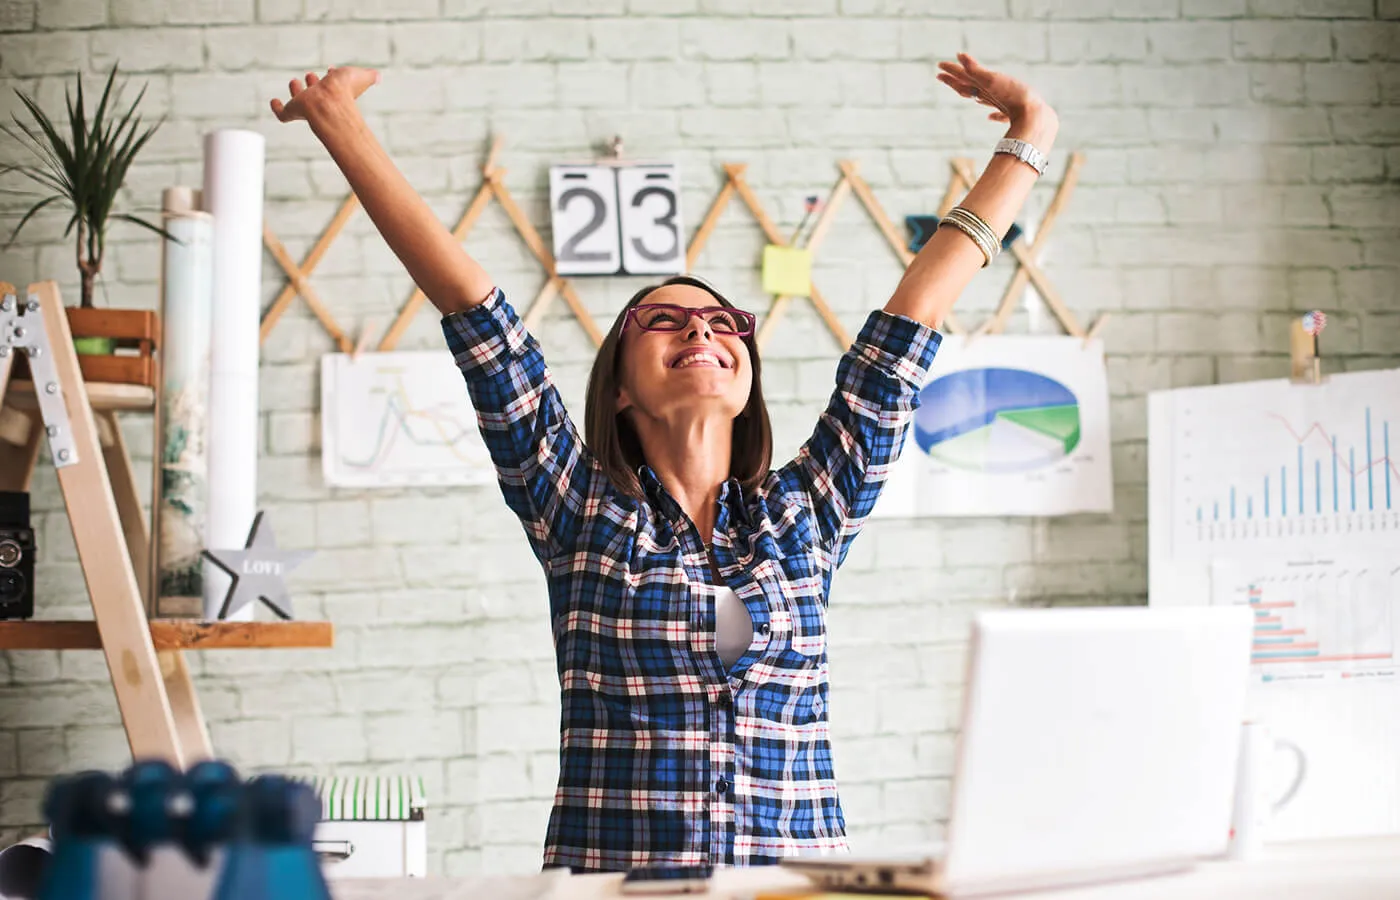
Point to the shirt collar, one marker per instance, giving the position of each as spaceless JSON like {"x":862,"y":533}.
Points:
{"x":656,"y":492}
{"x":730,"y":494}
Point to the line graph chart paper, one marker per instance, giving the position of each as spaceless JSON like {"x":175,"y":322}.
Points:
{"x":395,"y":419}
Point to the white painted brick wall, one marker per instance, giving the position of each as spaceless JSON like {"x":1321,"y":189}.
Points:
{"x":1242,"y":163}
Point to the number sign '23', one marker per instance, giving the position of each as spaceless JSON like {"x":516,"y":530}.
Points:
{"x":616,"y":220}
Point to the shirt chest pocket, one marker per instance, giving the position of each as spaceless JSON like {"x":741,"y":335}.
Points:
{"x":800,"y":639}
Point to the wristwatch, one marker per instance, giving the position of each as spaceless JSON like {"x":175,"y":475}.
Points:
{"x":1025,"y":152}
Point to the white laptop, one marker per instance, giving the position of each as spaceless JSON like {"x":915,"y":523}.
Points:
{"x":1096,"y":744}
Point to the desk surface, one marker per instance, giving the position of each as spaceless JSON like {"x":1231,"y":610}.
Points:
{"x":1357,"y":869}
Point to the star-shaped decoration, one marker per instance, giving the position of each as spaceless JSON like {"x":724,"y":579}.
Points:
{"x":257,"y":571}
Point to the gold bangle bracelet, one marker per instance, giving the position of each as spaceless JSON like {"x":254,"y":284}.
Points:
{"x":977,"y":239}
{"x":980,"y":225}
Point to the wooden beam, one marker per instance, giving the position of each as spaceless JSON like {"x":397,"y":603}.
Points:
{"x":542,"y":253}
{"x":702,"y":234}
{"x":415,"y":300}
{"x":997,"y":323}
{"x":1037,"y":278}
{"x":133,"y":518}
{"x":104,"y":396}
{"x":882,"y":221}
{"x":814,"y":241}
{"x":117,"y":607}
{"x":828,"y":214}
{"x":746,"y":194}
{"x":17,"y":459}
{"x":20,"y":432}
{"x":170,"y":634}
{"x":184,"y":704}
{"x":297,"y":281}
{"x":7,"y":361}
{"x":877,"y":212}
{"x":297,"y":275}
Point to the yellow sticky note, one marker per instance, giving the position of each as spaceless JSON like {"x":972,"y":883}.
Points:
{"x":787,"y":271}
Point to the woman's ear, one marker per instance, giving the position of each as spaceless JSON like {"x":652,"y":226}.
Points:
{"x":624,"y":401}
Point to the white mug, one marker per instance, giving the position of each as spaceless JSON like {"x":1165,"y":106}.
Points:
{"x":22,"y":867}
{"x":1254,"y":807}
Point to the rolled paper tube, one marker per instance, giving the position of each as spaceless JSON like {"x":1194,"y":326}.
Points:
{"x":183,"y":485}
{"x":233,"y":194}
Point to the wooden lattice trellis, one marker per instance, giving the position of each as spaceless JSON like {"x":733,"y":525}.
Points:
{"x":1028,"y":272}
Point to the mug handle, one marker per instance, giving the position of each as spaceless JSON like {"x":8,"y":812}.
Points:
{"x":1297,"y":752}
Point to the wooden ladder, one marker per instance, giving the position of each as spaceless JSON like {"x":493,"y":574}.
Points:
{"x":155,"y":693}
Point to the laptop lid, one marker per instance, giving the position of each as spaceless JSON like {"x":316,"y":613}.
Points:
{"x":1096,"y":739}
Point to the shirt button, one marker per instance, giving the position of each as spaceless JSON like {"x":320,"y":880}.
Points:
{"x":721,"y":787}
{"x":764,"y":628}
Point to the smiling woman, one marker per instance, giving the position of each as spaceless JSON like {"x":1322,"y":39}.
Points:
{"x":688,"y":580}
{"x":642,"y":386}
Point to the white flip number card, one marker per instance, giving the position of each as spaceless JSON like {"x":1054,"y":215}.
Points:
{"x":650,"y":208}
{"x":616,"y":220}
{"x":583,"y":209}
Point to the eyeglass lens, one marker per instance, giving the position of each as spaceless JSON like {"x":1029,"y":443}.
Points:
{"x":665,"y":317}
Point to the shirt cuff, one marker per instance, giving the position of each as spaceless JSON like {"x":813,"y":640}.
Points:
{"x":898,"y":346}
{"x":485,"y":338}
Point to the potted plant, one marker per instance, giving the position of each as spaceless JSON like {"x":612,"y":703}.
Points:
{"x":80,"y":165}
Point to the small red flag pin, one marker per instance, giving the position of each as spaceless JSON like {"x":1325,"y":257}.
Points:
{"x":809,"y":205}
{"x":1314,"y":321}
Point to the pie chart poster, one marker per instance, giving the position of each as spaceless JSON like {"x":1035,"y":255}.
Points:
{"x":1007,"y":426}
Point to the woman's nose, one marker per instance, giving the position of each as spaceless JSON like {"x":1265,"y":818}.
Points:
{"x":692,"y":330}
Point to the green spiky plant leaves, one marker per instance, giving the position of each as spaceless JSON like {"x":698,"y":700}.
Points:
{"x":81,"y":165}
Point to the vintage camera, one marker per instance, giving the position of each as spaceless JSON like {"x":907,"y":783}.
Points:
{"x":16,"y":557}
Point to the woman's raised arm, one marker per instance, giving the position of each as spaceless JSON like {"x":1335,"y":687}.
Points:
{"x":946,"y":264}
{"x":448,"y":276}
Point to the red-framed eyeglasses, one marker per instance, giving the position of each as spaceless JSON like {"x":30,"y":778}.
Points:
{"x":672,"y":317}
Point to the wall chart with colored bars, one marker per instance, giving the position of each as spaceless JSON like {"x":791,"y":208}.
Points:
{"x":1269,"y":469}
{"x":1285,"y":496}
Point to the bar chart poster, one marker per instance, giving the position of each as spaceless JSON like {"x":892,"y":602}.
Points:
{"x":1324,"y":677}
{"x":402,"y":418}
{"x":1270,"y":469}
{"x":1316,"y":620}
{"x":1007,"y":426}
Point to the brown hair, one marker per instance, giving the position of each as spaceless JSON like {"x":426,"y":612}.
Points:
{"x":613,"y":441}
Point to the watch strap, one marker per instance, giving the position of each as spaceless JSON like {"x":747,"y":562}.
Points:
{"x":1025,"y":151}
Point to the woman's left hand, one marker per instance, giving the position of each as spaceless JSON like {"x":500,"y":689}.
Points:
{"x":1011,"y":99}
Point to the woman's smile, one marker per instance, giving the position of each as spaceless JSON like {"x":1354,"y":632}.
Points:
{"x":699,"y":356}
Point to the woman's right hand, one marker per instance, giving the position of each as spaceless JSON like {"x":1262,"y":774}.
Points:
{"x":340,"y":85}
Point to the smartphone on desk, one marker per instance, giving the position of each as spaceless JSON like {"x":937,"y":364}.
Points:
{"x":667,"y":880}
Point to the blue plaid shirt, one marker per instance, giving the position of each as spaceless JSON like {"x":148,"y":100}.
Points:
{"x":665,"y":756}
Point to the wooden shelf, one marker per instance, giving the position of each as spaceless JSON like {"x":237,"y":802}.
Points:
{"x":104,"y":396}
{"x":170,"y":634}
